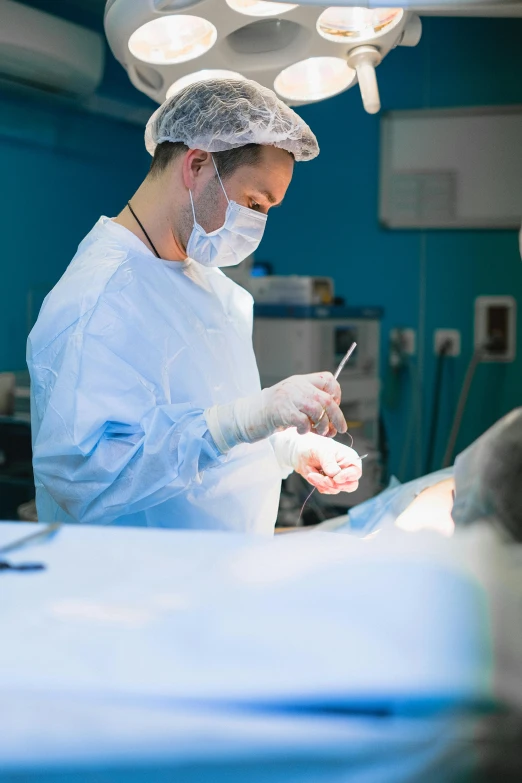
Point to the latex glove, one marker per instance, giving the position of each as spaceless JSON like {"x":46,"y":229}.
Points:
{"x":302,"y":401}
{"x":329,"y":466}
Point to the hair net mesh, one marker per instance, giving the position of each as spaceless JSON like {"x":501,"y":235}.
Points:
{"x":488,"y":478}
{"x":221,"y":114}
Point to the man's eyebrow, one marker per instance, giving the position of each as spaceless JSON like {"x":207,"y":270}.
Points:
{"x":269,"y":196}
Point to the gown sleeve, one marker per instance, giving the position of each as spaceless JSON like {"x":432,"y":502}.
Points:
{"x":109,"y":441}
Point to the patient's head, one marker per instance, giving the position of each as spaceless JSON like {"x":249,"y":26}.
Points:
{"x":488,"y":478}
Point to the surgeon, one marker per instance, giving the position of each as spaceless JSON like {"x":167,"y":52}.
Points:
{"x":146,"y":402}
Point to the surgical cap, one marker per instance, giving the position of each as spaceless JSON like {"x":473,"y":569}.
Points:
{"x":488,"y":478}
{"x":221,"y":114}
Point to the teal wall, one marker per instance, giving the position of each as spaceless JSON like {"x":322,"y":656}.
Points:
{"x":62,"y":169}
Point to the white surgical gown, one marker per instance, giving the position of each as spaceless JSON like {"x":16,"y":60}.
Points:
{"x":127,"y":353}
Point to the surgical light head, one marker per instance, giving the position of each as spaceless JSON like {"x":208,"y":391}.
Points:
{"x":221,"y":114}
{"x":488,"y":478}
{"x":303,"y":51}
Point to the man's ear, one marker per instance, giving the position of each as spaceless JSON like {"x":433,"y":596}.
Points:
{"x":195,"y":166}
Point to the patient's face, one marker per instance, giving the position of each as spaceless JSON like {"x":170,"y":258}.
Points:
{"x":431,"y":510}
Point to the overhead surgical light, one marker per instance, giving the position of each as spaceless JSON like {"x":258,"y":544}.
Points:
{"x":305,"y":52}
{"x":260,"y":7}
{"x":172,"y":39}
{"x":201,"y":76}
{"x":314,"y":79}
{"x":356,"y":24}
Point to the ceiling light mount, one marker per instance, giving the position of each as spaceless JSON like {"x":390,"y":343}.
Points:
{"x":364,"y":60}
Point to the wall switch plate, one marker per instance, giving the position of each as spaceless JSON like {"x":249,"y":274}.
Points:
{"x":406,"y":339}
{"x":447,"y":335}
{"x":496,"y":328}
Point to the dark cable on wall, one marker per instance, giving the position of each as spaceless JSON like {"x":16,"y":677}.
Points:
{"x":491,"y":345}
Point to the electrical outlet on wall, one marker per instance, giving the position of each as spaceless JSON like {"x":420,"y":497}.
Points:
{"x":443,"y":336}
{"x":404,"y":340}
{"x":495,"y":328}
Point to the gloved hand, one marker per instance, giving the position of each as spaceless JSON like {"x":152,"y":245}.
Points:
{"x":329,"y":466}
{"x":302,"y":401}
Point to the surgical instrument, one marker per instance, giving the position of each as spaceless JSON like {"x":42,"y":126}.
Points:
{"x":38,"y":537}
{"x":337,"y":373}
{"x":339,"y":370}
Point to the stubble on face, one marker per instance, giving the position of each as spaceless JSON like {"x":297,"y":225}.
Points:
{"x":209,"y":209}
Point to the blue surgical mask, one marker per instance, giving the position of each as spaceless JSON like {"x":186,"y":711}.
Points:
{"x":238,"y":237}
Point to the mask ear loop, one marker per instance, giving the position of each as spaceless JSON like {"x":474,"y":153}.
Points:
{"x":193,"y":210}
{"x":219,"y":178}
{"x":222,"y":187}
